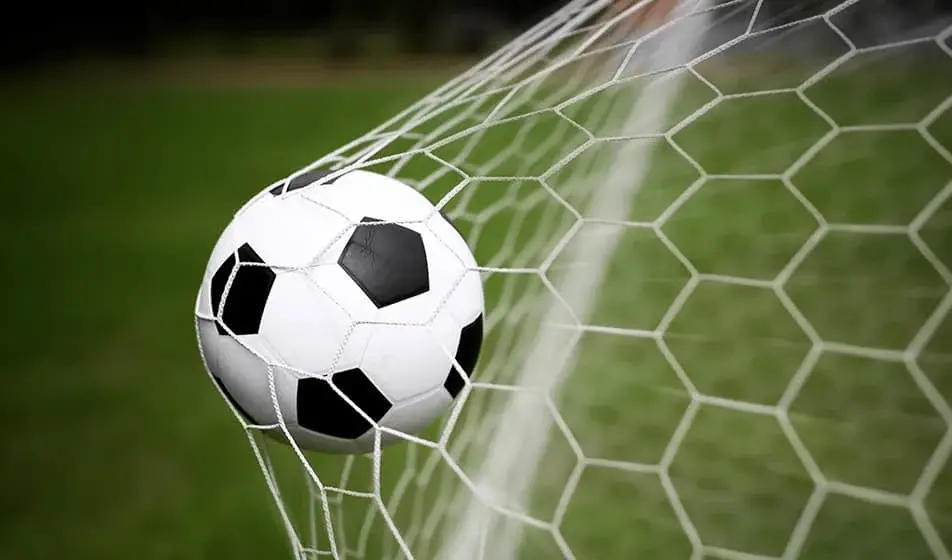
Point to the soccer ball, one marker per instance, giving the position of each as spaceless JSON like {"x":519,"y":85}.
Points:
{"x":338,"y":302}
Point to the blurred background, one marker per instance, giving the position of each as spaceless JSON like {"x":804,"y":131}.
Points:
{"x":335,"y":30}
{"x":129,"y":133}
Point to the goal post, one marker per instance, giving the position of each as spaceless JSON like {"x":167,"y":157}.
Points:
{"x":716,"y":245}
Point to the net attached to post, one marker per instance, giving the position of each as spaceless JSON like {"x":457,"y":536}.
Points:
{"x":717,"y":255}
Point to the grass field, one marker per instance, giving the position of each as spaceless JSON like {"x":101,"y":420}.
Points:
{"x":117,"y":446}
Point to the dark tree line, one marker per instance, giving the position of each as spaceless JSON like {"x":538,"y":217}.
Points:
{"x":36,"y":31}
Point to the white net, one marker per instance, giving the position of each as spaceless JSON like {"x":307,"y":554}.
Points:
{"x":717,"y":255}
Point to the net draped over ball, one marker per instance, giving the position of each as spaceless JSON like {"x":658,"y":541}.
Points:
{"x":347,"y":301}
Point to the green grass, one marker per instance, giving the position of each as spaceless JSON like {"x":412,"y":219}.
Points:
{"x":117,"y":445}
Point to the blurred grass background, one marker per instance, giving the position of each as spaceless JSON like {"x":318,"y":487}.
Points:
{"x":113,"y":195}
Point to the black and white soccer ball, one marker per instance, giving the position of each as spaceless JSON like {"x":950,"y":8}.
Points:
{"x":340,"y":302}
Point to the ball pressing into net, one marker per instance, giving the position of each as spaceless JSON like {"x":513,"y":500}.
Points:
{"x":336,"y":302}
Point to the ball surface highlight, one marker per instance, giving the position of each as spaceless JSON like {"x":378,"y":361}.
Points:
{"x":340,"y":302}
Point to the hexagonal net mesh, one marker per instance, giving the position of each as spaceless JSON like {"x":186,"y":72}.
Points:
{"x":717,"y":255}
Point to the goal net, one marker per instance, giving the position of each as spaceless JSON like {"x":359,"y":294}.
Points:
{"x":716,"y":244}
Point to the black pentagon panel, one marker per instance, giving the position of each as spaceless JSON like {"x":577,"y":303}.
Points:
{"x":241,"y":410}
{"x":219,"y":281}
{"x":470,"y":343}
{"x":387,"y":261}
{"x":244,"y":304}
{"x":467,"y":354}
{"x":303,"y":180}
{"x":454,"y":382}
{"x":321,"y":410}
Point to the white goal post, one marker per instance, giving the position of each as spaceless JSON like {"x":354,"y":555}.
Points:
{"x":717,"y":251}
